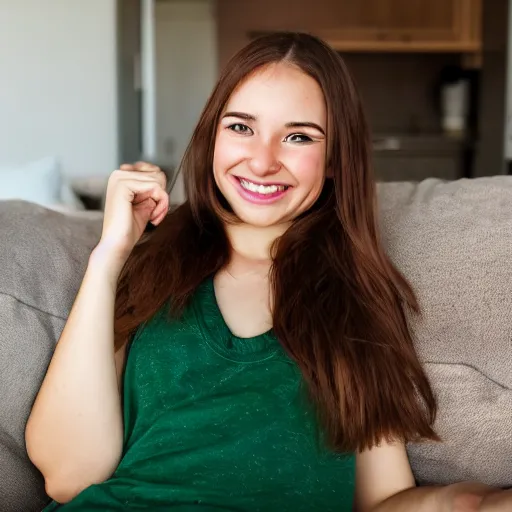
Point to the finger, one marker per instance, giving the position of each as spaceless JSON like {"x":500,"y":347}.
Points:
{"x":159,"y":207}
{"x":136,"y":191}
{"x":137,"y":176}
{"x":140,"y":197}
{"x":146,"y":167}
{"x":126,"y":167}
{"x":159,"y":219}
{"x":154,"y":191}
{"x":162,"y":199}
{"x":159,"y":215}
{"x":148,"y":205}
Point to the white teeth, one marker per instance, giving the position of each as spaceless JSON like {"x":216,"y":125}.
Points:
{"x":261,"y":189}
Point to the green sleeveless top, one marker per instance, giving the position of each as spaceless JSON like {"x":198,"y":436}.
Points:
{"x":214,"y":422}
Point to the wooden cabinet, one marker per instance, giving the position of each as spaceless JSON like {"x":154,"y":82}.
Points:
{"x":417,"y":158}
{"x":357,"y":25}
{"x":408,"y":26}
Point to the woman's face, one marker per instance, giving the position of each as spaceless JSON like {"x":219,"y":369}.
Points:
{"x":270,"y":146}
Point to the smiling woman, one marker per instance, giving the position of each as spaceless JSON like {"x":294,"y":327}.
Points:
{"x":260,"y":328}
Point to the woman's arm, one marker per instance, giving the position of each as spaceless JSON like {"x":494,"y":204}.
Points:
{"x":75,"y":431}
{"x":74,"y":434}
{"x":385,"y":483}
{"x":500,"y":501}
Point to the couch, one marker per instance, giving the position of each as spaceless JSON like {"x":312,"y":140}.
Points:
{"x":452,"y":240}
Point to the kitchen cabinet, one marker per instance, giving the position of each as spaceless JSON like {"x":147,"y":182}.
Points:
{"x":357,"y":26}
{"x":407,"y":25}
{"x":412,"y":168}
{"x":416,"y":158}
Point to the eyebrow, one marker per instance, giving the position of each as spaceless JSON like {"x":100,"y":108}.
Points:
{"x":294,"y":124}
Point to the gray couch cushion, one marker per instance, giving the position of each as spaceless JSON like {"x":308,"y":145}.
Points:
{"x":453,"y":241}
{"x":43,"y":255}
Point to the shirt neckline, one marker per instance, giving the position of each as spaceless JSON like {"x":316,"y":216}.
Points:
{"x":222,"y":340}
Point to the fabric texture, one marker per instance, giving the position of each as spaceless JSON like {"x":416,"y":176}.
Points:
{"x":453,"y":242}
{"x":217,"y":422}
{"x":43,"y":255}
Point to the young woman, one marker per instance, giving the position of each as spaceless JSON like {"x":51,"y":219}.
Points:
{"x":256,"y":338}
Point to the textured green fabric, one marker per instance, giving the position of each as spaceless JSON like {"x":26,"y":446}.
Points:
{"x":217,"y":422}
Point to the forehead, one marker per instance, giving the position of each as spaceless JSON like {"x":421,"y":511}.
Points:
{"x":282,"y":90}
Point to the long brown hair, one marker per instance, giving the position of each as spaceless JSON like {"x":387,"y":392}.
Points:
{"x":338,"y":300}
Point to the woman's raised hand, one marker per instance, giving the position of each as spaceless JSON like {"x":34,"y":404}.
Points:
{"x":135,"y":196}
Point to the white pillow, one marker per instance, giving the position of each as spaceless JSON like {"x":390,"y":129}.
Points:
{"x":68,"y":199}
{"x":38,"y":182}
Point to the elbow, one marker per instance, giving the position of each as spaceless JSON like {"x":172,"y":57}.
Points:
{"x":65,"y":487}
{"x":65,"y":475}
{"x":68,"y":471}
{"x":62,"y":492}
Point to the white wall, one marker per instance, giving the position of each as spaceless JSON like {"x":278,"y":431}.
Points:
{"x":58,"y":83}
{"x":186,"y":72}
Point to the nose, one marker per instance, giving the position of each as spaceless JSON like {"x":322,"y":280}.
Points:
{"x":264,"y":159}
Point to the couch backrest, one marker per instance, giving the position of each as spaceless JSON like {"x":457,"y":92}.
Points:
{"x":43,"y":255}
{"x":453,"y":242}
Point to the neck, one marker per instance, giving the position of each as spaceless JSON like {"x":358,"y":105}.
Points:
{"x":252,"y":243}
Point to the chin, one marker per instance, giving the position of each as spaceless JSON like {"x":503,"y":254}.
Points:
{"x":260,"y":219}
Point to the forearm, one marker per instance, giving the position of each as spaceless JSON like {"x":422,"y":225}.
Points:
{"x":461,"y":497}
{"x":76,"y":420}
{"x":498,"y":501}
{"x":419,"y":499}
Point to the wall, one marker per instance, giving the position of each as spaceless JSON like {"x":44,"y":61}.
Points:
{"x":400,"y":91}
{"x":59,"y":83}
{"x":186,"y":71}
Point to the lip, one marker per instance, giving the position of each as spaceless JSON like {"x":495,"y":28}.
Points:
{"x":254,"y":197}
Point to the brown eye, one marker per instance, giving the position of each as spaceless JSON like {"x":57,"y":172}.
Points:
{"x":239,"y":128}
{"x":298,"y":137}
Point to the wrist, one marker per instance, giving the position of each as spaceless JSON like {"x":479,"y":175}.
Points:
{"x":106,"y":263}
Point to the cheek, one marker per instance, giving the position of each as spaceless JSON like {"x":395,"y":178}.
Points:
{"x":309,"y":167}
{"x":227,"y":153}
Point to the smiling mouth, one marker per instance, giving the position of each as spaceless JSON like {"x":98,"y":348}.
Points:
{"x":259,"y":188}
